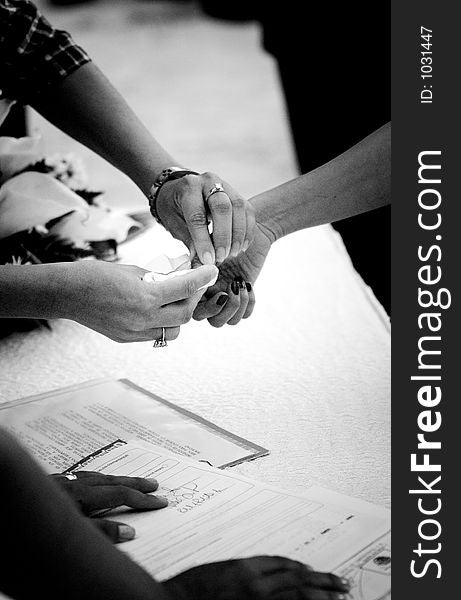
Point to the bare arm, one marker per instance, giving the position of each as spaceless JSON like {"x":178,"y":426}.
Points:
{"x":52,"y":551}
{"x":352,"y":183}
{"x":87,"y":107}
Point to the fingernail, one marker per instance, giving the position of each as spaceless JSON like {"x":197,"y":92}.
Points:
{"x":152,"y":481}
{"x":208,"y":258}
{"x":341,"y":597}
{"x":221,"y":301}
{"x":241,"y":284}
{"x":248,"y":284}
{"x":245,"y":246}
{"x":125,"y":533}
{"x":235,"y":288}
{"x":162,"y":501}
{"x":346,"y":583}
{"x":220,"y":255}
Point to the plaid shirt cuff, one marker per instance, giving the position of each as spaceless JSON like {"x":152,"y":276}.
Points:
{"x":34,"y":55}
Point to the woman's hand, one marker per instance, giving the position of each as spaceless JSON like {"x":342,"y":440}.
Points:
{"x":115,"y":300}
{"x":256,"y":578}
{"x":183,"y":209}
{"x":232,"y":297}
{"x":93,"y":492}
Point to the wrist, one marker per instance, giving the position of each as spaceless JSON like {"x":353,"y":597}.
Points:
{"x":169,"y":174}
{"x":267,"y":220}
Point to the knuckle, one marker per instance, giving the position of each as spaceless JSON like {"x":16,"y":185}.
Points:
{"x":188,"y":180}
{"x":238,"y":202}
{"x":189,"y":288}
{"x":250,"y":209}
{"x":221,"y":204}
{"x":197,"y":219}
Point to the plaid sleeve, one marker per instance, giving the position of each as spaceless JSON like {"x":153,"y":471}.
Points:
{"x":33,"y":55}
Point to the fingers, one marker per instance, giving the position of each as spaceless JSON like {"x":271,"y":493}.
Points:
{"x":93,"y":478}
{"x":230,"y":308}
{"x":185,"y":286}
{"x":211,"y":306}
{"x":115,"y":531}
{"x":309,"y":593}
{"x":285,"y":579}
{"x":243,"y":294}
{"x":305,"y":593}
{"x":229,"y":215}
{"x":239,"y":305}
{"x":171,"y":333}
{"x":185,"y":204}
{"x":93,"y":498}
{"x":251,"y":300}
{"x":194,"y":210}
{"x":220,"y":207}
{"x":327,"y":581}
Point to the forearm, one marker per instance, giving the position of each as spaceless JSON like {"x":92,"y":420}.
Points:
{"x":61,"y":552}
{"x":87,"y":107}
{"x":34,"y":291}
{"x":354,"y":182}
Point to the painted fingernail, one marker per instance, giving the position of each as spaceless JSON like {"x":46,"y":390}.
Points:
{"x":235,"y":288}
{"x":248,"y":284}
{"x":207,"y":258}
{"x":221,"y":301}
{"x":125,"y":533}
{"x":220,"y":255}
{"x":346,"y":583}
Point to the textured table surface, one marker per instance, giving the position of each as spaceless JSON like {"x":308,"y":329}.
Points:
{"x":307,"y":376}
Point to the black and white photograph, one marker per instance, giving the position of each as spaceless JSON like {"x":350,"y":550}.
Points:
{"x":195,"y":299}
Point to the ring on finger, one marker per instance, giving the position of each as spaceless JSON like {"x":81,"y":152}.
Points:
{"x":160,"y":342}
{"x":217,"y":188}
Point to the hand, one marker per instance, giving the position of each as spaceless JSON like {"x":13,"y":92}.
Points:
{"x":115,"y":301}
{"x":182,"y":209}
{"x":256,"y":578}
{"x":232,"y":297}
{"x":94,"y":491}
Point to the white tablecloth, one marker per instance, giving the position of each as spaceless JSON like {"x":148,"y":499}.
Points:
{"x":307,"y":376}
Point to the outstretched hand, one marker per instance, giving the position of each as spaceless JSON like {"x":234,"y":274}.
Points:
{"x":232,"y":297}
{"x":115,"y":300}
{"x":256,"y":578}
{"x":93,"y":492}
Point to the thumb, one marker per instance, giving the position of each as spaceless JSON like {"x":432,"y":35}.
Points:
{"x":184,"y":284}
{"x":115,"y":531}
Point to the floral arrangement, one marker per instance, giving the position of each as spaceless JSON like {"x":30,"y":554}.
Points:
{"x":49,"y":214}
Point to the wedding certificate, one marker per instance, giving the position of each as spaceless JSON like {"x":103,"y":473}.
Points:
{"x":216,"y":515}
